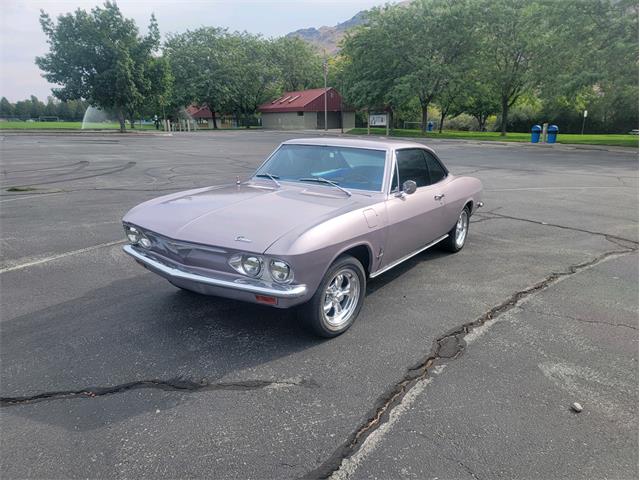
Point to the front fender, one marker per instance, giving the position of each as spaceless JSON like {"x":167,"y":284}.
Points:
{"x":311,"y":252}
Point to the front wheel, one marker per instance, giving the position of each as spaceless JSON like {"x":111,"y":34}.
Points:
{"x":458,"y":234}
{"x":338,"y":299}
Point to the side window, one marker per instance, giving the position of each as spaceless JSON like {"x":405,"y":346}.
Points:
{"x":436,"y":172}
{"x":412,"y":166}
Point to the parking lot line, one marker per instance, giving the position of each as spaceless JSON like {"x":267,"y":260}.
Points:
{"x":57,"y":257}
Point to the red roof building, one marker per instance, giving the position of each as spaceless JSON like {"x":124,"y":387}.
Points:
{"x":305,"y":110}
{"x":197,"y":112}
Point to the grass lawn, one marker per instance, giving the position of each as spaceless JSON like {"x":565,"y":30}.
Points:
{"x":619,"y":140}
{"x":66,"y":126}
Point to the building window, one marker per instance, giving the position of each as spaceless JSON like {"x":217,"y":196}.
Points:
{"x":300,"y":114}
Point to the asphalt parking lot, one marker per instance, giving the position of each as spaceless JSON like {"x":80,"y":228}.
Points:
{"x":459,"y":366}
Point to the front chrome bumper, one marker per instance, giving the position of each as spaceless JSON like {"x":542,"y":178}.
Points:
{"x":247,"y":285}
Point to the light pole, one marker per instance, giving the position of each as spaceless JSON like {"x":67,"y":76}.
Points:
{"x":325,"y":67}
{"x":584,"y":119}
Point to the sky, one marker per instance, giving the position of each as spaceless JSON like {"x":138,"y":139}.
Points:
{"x":21,"y":38}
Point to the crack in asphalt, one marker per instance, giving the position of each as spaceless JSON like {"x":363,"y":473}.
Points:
{"x":176,"y":384}
{"x":577,"y":319}
{"x":608,"y":236}
{"x":447,"y":347}
{"x":468,"y":470}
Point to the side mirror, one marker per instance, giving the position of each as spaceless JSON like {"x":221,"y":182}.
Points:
{"x":409,"y":187}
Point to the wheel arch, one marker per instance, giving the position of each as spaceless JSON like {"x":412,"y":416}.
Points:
{"x":361,"y":251}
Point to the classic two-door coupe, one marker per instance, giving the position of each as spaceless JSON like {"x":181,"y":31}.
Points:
{"x":316,"y":220}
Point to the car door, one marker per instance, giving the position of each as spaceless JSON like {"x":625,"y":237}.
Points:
{"x":416,"y":219}
{"x":439,"y":179}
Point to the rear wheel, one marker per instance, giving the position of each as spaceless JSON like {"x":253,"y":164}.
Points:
{"x":458,"y":234}
{"x":338,"y":299}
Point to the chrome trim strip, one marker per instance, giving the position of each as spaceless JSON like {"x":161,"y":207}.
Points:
{"x":406,"y":257}
{"x":284,"y":291}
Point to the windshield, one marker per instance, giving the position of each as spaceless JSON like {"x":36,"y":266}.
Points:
{"x":351,"y":168}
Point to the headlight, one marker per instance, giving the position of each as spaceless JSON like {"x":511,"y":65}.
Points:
{"x":247,"y":264}
{"x":133,"y":235}
{"x":136,"y":237}
{"x":252,"y":265}
{"x":280,"y":271}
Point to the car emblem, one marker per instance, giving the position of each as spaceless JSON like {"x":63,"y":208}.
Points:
{"x":242,"y":238}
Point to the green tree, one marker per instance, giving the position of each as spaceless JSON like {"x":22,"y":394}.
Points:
{"x":299,"y":66}
{"x":98,"y":56}
{"x":50,"y":107}
{"x":37,"y":107}
{"x":23,"y":109}
{"x":597,"y":67}
{"x":252,"y":76}
{"x":370,"y":68}
{"x":152,"y":76}
{"x":477,"y":97}
{"x":437,"y":45}
{"x":199,"y":62}
{"x":515,"y":37}
{"x":6,"y":108}
{"x":415,"y":50}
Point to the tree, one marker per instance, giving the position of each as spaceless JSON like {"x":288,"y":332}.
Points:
{"x":449,"y":98}
{"x":299,"y":66}
{"x":152,"y":76}
{"x":597,"y":67}
{"x":438,"y":46}
{"x":414,"y":50}
{"x":369,"y":68}
{"x":37,"y":107}
{"x":200,"y":66}
{"x":50,"y":108}
{"x":98,"y":56}
{"x":77,"y":109}
{"x":23,"y":108}
{"x":515,"y":35}
{"x":6,"y":108}
{"x":477,"y":97}
{"x":252,"y":76}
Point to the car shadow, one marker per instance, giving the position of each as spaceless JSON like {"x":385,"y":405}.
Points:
{"x":377,"y":283}
{"x":138,"y":330}
{"x":143,"y":330}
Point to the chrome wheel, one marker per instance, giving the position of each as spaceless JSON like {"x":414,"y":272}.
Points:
{"x":461,"y":228}
{"x":340,"y":298}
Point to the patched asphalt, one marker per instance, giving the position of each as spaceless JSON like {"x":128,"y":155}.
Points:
{"x":170,"y":384}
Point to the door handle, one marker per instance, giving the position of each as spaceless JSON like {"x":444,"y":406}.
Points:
{"x":439,"y":196}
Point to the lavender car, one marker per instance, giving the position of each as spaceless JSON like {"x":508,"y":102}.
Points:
{"x":316,"y":220}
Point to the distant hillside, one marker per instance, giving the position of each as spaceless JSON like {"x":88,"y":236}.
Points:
{"x":327,"y":38}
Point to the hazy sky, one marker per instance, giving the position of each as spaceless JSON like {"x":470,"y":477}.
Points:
{"x":21,"y":38}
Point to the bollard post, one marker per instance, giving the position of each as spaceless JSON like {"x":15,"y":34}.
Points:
{"x":545,"y":127}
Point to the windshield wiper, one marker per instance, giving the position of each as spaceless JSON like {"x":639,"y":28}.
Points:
{"x":268,"y":175}
{"x":324,"y":180}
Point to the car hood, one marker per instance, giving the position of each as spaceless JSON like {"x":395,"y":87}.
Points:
{"x":246,"y":217}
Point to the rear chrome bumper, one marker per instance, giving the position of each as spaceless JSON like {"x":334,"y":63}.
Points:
{"x":247,"y":285}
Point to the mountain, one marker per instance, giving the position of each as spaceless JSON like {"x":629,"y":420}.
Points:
{"x":328,"y":38}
